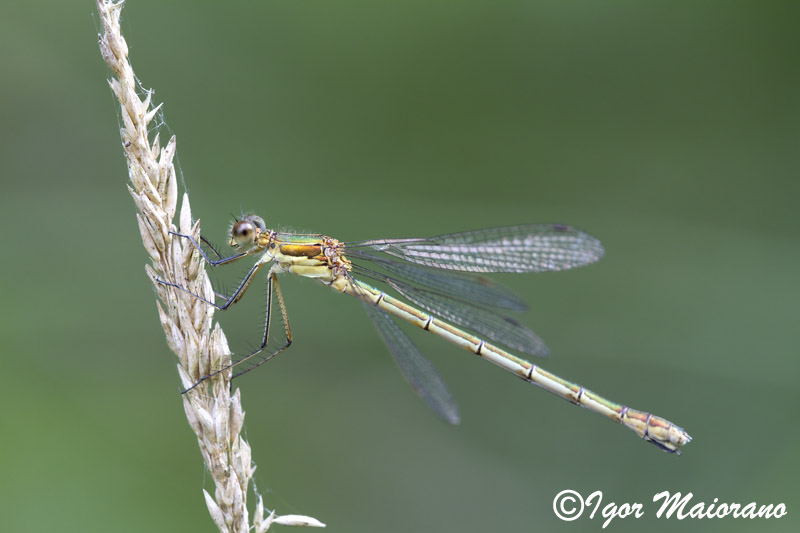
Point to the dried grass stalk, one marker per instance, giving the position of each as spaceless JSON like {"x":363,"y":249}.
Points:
{"x":215,"y":416}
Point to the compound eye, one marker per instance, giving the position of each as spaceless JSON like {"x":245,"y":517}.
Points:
{"x":242,"y":233}
{"x":256,"y":220}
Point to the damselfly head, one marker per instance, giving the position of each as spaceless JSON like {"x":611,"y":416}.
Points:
{"x":245,"y":231}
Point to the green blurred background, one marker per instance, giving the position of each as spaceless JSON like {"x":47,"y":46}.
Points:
{"x":668,"y":131}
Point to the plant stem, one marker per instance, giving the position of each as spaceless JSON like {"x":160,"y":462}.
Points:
{"x":213,"y":413}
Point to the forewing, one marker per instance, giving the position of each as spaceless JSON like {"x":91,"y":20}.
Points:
{"x":527,"y":248}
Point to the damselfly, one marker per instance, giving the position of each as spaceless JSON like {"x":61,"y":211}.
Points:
{"x":438,"y":275}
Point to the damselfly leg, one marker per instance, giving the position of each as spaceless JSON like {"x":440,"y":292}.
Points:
{"x":244,"y":361}
{"x":213,"y":262}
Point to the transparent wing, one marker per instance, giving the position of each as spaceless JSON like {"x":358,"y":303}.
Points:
{"x":527,"y":248}
{"x":479,"y":290}
{"x":500,"y":328}
{"x":419,"y":372}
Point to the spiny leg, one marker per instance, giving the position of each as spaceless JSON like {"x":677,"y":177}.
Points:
{"x":284,"y":315}
{"x":210,"y":246}
{"x":212,"y":262}
{"x":235,"y":297}
{"x":272,"y":278}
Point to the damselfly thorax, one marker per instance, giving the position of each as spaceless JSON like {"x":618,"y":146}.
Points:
{"x":313,"y":255}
